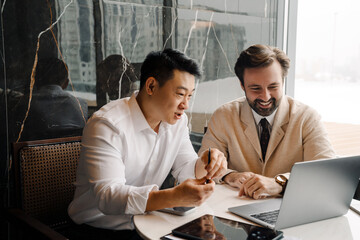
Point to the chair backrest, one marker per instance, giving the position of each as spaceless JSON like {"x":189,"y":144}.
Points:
{"x":45,"y":172}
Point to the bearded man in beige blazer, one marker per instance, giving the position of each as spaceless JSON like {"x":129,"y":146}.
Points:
{"x":296,"y":132}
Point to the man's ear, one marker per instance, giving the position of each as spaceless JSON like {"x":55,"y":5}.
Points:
{"x":65,"y":83}
{"x":150,"y":85}
{"x":242,"y":86}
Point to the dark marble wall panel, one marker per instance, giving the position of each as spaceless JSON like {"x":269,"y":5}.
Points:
{"x":64,"y":59}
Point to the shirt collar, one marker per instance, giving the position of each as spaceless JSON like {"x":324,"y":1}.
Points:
{"x":138,"y":117}
{"x":269,"y":118}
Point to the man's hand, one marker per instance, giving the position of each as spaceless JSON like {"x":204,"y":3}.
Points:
{"x":193,"y":192}
{"x":216,"y":167}
{"x":258,"y":186}
{"x":236,"y":179}
{"x":190,"y":193}
{"x":253,"y":185}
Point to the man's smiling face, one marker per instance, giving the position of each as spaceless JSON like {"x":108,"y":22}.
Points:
{"x":263,"y":88}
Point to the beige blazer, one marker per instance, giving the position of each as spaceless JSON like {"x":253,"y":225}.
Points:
{"x":297,"y":135}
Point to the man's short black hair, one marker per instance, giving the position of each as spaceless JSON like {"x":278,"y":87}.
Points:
{"x":51,"y":71}
{"x":161,"y":65}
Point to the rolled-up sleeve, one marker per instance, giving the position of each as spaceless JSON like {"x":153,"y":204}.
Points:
{"x":137,"y":199}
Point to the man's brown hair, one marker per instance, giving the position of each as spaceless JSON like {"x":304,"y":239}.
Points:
{"x":257,"y":56}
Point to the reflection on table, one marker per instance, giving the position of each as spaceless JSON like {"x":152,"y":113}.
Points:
{"x":156,"y":224}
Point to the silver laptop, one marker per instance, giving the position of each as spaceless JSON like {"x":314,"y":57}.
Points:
{"x":316,"y":190}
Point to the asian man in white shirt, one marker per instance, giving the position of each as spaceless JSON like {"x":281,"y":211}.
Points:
{"x":130,"y":145}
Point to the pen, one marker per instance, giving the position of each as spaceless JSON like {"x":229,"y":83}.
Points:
{"x":209,"y":155}
{"x":209,"y":159}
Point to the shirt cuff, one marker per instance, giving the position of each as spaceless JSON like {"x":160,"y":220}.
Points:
{"x":137,"y":199}
{"x":221,"y":180}
{"x":286,"y":175}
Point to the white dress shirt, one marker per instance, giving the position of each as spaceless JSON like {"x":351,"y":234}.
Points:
{"x":122,"y":159}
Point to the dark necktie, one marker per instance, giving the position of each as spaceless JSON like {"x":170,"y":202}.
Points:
{"x":264,"y":137}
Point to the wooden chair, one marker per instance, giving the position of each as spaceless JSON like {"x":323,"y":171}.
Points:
{"x":45,"y":171}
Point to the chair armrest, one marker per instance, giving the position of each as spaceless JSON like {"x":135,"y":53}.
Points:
{"x":20,"y":217}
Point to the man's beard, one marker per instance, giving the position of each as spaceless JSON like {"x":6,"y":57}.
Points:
{"x":256,"y":106}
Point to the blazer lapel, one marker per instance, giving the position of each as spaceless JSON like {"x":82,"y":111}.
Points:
{"x":250,"y":130}
{"x":277,"y":133}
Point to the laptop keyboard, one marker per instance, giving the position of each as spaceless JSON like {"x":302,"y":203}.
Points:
{"x":269,"y":217}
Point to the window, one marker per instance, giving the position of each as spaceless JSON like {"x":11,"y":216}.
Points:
{"x":327,"y":72}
